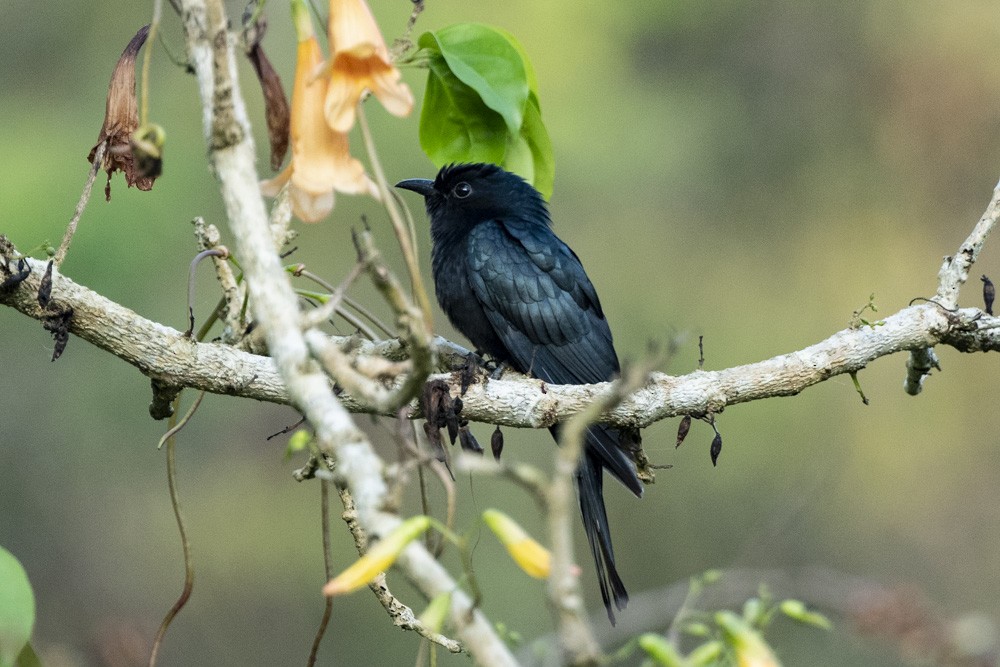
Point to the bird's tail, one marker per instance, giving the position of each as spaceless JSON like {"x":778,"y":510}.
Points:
{"x":603,"y":450}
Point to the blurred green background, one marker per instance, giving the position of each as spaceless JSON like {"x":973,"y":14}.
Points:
{"x":747,"y":171}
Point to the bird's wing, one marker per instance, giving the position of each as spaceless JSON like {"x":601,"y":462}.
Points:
{"x":541,"y":303}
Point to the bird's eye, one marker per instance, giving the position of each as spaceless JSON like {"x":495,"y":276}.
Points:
{"x":462,"y":190}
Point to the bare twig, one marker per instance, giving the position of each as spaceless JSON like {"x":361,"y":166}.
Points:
{"x":353,"y":321}
{"x":528,"y":477}
{"x":404,"y":234}
{"x":324,"y":499}
{"x":233,"y":291}
{"x":179,"y":517}
{"x":314,"y":317}
{"x":88,"y":187}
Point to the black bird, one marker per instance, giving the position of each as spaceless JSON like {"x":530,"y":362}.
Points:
{"x":515,"y":290}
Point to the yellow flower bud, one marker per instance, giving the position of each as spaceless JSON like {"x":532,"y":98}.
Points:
{"x":529,"y":555}
{"x":750,"y":648}
{"x":378,"y":557}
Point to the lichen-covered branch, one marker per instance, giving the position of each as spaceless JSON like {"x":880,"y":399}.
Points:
{"x":954,"y":272}
{"x":166,"y":355}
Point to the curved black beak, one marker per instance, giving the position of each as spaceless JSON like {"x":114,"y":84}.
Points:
{"x":421,"y":186}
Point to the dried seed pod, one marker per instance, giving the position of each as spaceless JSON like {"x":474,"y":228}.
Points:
{"x":276,"y":110}
{"x":496,"y":443}
{"x":682,"y":430}
{"x":434,"y":440}
{"x":468,"y":441}
{"x":716,"y":448}
{"x":57,"y":323}
{"x":467,"y":372}
{"x":45,"y":287}
{"x":14,"y":278}
{"x":989,"y":293}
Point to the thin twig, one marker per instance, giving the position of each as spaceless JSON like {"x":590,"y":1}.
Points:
{"x":366,"y":330}
{"x":527,"y":476}
{"x":403,"y":233}
{"x":95,"y":166}
{"x":175,"y":502}
{"x":233,"y":288}
{"x":326,"y":310}
{"x":192,"y":269}
{"x":324,"y":499}
{"x":147,"y":57}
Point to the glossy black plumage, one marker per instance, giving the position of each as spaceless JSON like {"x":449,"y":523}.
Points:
{"x":514,"y":289}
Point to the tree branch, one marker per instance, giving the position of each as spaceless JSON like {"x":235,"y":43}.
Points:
{"x":166,"y":355}
{"x":275,"y":307}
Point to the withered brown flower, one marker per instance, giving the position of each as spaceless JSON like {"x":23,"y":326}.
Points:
{"x":121,"y":119}
{"x":275,"y":103}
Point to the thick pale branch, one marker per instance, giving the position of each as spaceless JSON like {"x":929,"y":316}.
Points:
{"x":165,"y":354}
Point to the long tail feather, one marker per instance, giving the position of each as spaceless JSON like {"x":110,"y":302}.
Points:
{"x":590,"y":483}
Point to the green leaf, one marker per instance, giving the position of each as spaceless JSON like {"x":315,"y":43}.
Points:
{"x":660,"y":650}
{"x":529,"y":70}
{"x":486,"y":61}
{"x":481,"y":103}
{"x":537,"y":138}
{"x":17,"y":608}
{"x":796,"y":609}
{"x":455,"y":124}
{"x":707,"y":654}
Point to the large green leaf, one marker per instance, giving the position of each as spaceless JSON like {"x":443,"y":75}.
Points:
{"x":486,"y":61}
{"x":17,"y":608}
{"x":455,"y":124}
{"x":481,"y":103}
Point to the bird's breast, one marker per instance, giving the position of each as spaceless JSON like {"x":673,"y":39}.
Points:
{"x":450,"y":266}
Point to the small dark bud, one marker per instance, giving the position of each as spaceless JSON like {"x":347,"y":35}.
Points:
{"x":453,"y":428}
{"x":434,"y":439}
{"x":45,"y":287}
{"x":14,"y":278}
{"x":716,"y":447}
{"x":682,"y":430}
{"x":58,"y":323}
{"x":468,"y":441}
{"x":989,"y":293}
{"x":496,"y":443}
{"x":467,"y":372}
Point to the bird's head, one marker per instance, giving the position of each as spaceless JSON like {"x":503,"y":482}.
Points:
{"x":464,"y":195}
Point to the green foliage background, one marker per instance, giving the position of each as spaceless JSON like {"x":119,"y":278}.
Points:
{"x":750,"y":171}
